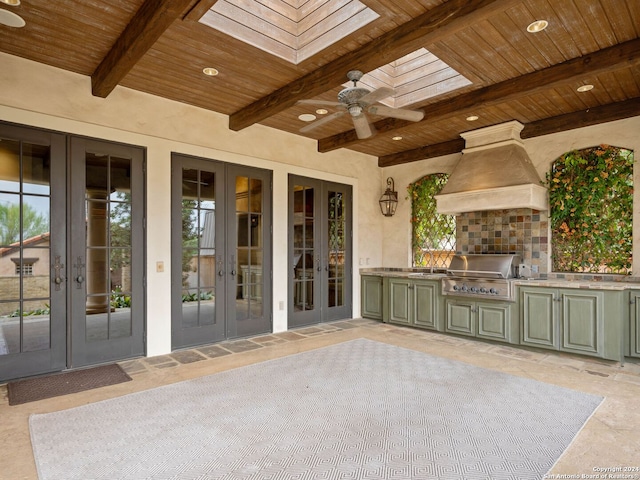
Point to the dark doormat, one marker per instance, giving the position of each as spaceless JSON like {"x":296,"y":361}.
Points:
{"x":39,"y":388}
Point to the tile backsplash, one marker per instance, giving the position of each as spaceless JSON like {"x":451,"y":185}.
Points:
{"x":521,"y":231}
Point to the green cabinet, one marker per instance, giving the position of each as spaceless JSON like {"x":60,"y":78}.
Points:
{"x":572,"y":320}
{"x":539,"y":318}
{"x":633,"y":344}
{"x":412,"y":302}
{"x":483,"y":319}
{"x":371,"y":294}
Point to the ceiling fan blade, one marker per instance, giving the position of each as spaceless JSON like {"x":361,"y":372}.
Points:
{"x":377,"y":94}
{"x":319,"y":102}
{"x":322,"y":121}
{"x":363,"y":128}
{"x":401,"y":113}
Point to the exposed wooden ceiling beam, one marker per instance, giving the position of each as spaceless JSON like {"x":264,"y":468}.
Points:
{"x":199,"y":9}
{"x":422,"y":153}
{"x":560,"y":123}
{"x":583,"y":118}
{"x":430,"y":27}
{"x":609,"y":59}
{"x":147,"y":25}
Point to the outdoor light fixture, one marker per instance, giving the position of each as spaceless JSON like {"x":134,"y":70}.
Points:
{"x":389,"y":199}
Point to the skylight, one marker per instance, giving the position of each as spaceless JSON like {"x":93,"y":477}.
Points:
{"x":415,"y":77}
{"x":293,"y":30}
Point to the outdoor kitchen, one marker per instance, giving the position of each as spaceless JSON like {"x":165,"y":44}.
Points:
{"x":499,"y":284}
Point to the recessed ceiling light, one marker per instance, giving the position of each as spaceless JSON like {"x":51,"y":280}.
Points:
{"x":322,"y":111}
{"x":537,"y":26}
{"x":13,"y":3}
{"x":585,"y":88}
{"x":10,"y":19}
{"x":210,"y":71}
{"x":472,"y":118}
{"x":307,"y":117}
{"x":396,"y":138}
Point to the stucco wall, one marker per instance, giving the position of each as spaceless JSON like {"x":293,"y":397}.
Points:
{"x":46,"y":97}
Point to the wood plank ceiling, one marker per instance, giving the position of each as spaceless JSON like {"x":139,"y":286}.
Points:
{"x":160,"y":47}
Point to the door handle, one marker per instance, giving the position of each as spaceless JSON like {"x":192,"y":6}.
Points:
{"x":79,"y":266}
{"x":57,"y":267}
{"x":232,"y":262}
{"x":220,"y":270}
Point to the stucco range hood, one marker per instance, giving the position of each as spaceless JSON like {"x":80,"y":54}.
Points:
{"x":494,"y":173}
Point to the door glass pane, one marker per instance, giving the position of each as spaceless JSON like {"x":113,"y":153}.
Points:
{"x":24,"y":247}
{"x":97,"y":319}
{"x":97,"y":174}
{"x":35,"y":295}
{"x":303,"y":247}
{"x":207,"y":190}
{"x":36,"y":166}
{"x":120,"y":269}
{"x":35,"y":216}
{"x":9,"y":220}
{"x":199,"y":265}
{"x":255,"y":195}
{"x":108,"y":280}
{"x":249,"y":248}
{"x":336,"y":246}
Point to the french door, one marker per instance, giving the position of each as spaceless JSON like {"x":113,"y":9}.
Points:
{"x":105,"y":267}
{"x":320,"y":219}
{"x":32,"y":252}
{"x":70,"y":238}
{"x":221,"y":251}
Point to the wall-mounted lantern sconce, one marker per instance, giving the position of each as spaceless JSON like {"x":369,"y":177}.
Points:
{"x":389,"y":199}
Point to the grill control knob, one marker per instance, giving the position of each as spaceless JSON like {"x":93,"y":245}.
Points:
{"x":493,"y":291}
{"x":474,"y":290}
{"x":456,"y":288}
{"x":464,"y":288}
{"x":483,"y":290}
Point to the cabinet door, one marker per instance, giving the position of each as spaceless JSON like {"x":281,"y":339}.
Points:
{"x":494,"y":321}
{"x":582,"y":317}
{"x":634,"y":323}
{"x":539,"y":318}
{"x":372,"y":297}
{"x":399,"y":301}
{"x":460,"y":318}
{"x":424,"y":300}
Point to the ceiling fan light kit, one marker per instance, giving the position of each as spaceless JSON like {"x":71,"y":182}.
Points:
{"x":358,"y":101}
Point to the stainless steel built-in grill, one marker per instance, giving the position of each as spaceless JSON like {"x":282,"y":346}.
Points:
{"x":487,"y":276}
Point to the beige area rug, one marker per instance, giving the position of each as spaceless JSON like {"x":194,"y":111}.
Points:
{"x":39,"y":388}
{"x":357,"y":410}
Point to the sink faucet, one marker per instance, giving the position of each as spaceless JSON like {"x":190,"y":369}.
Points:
{"x":428,"y":251}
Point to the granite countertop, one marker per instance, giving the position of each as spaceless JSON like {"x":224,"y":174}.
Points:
{"x":625,"y":282}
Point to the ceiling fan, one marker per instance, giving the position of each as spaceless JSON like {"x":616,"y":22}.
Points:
{"x":358,"y":101}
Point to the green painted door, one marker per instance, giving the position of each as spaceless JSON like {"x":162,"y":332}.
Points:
{"x":494,"y":321}
{"x":371,"y":297}
{"x":539,"y":317}
{"x":400,"y":299}
{"x":425,"y":304}
{"x":582,"y":321}
{"x":460,"y":317}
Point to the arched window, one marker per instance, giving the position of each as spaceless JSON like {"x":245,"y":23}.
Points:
{"x":433,"y":234}
{"x":591,"y":210}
